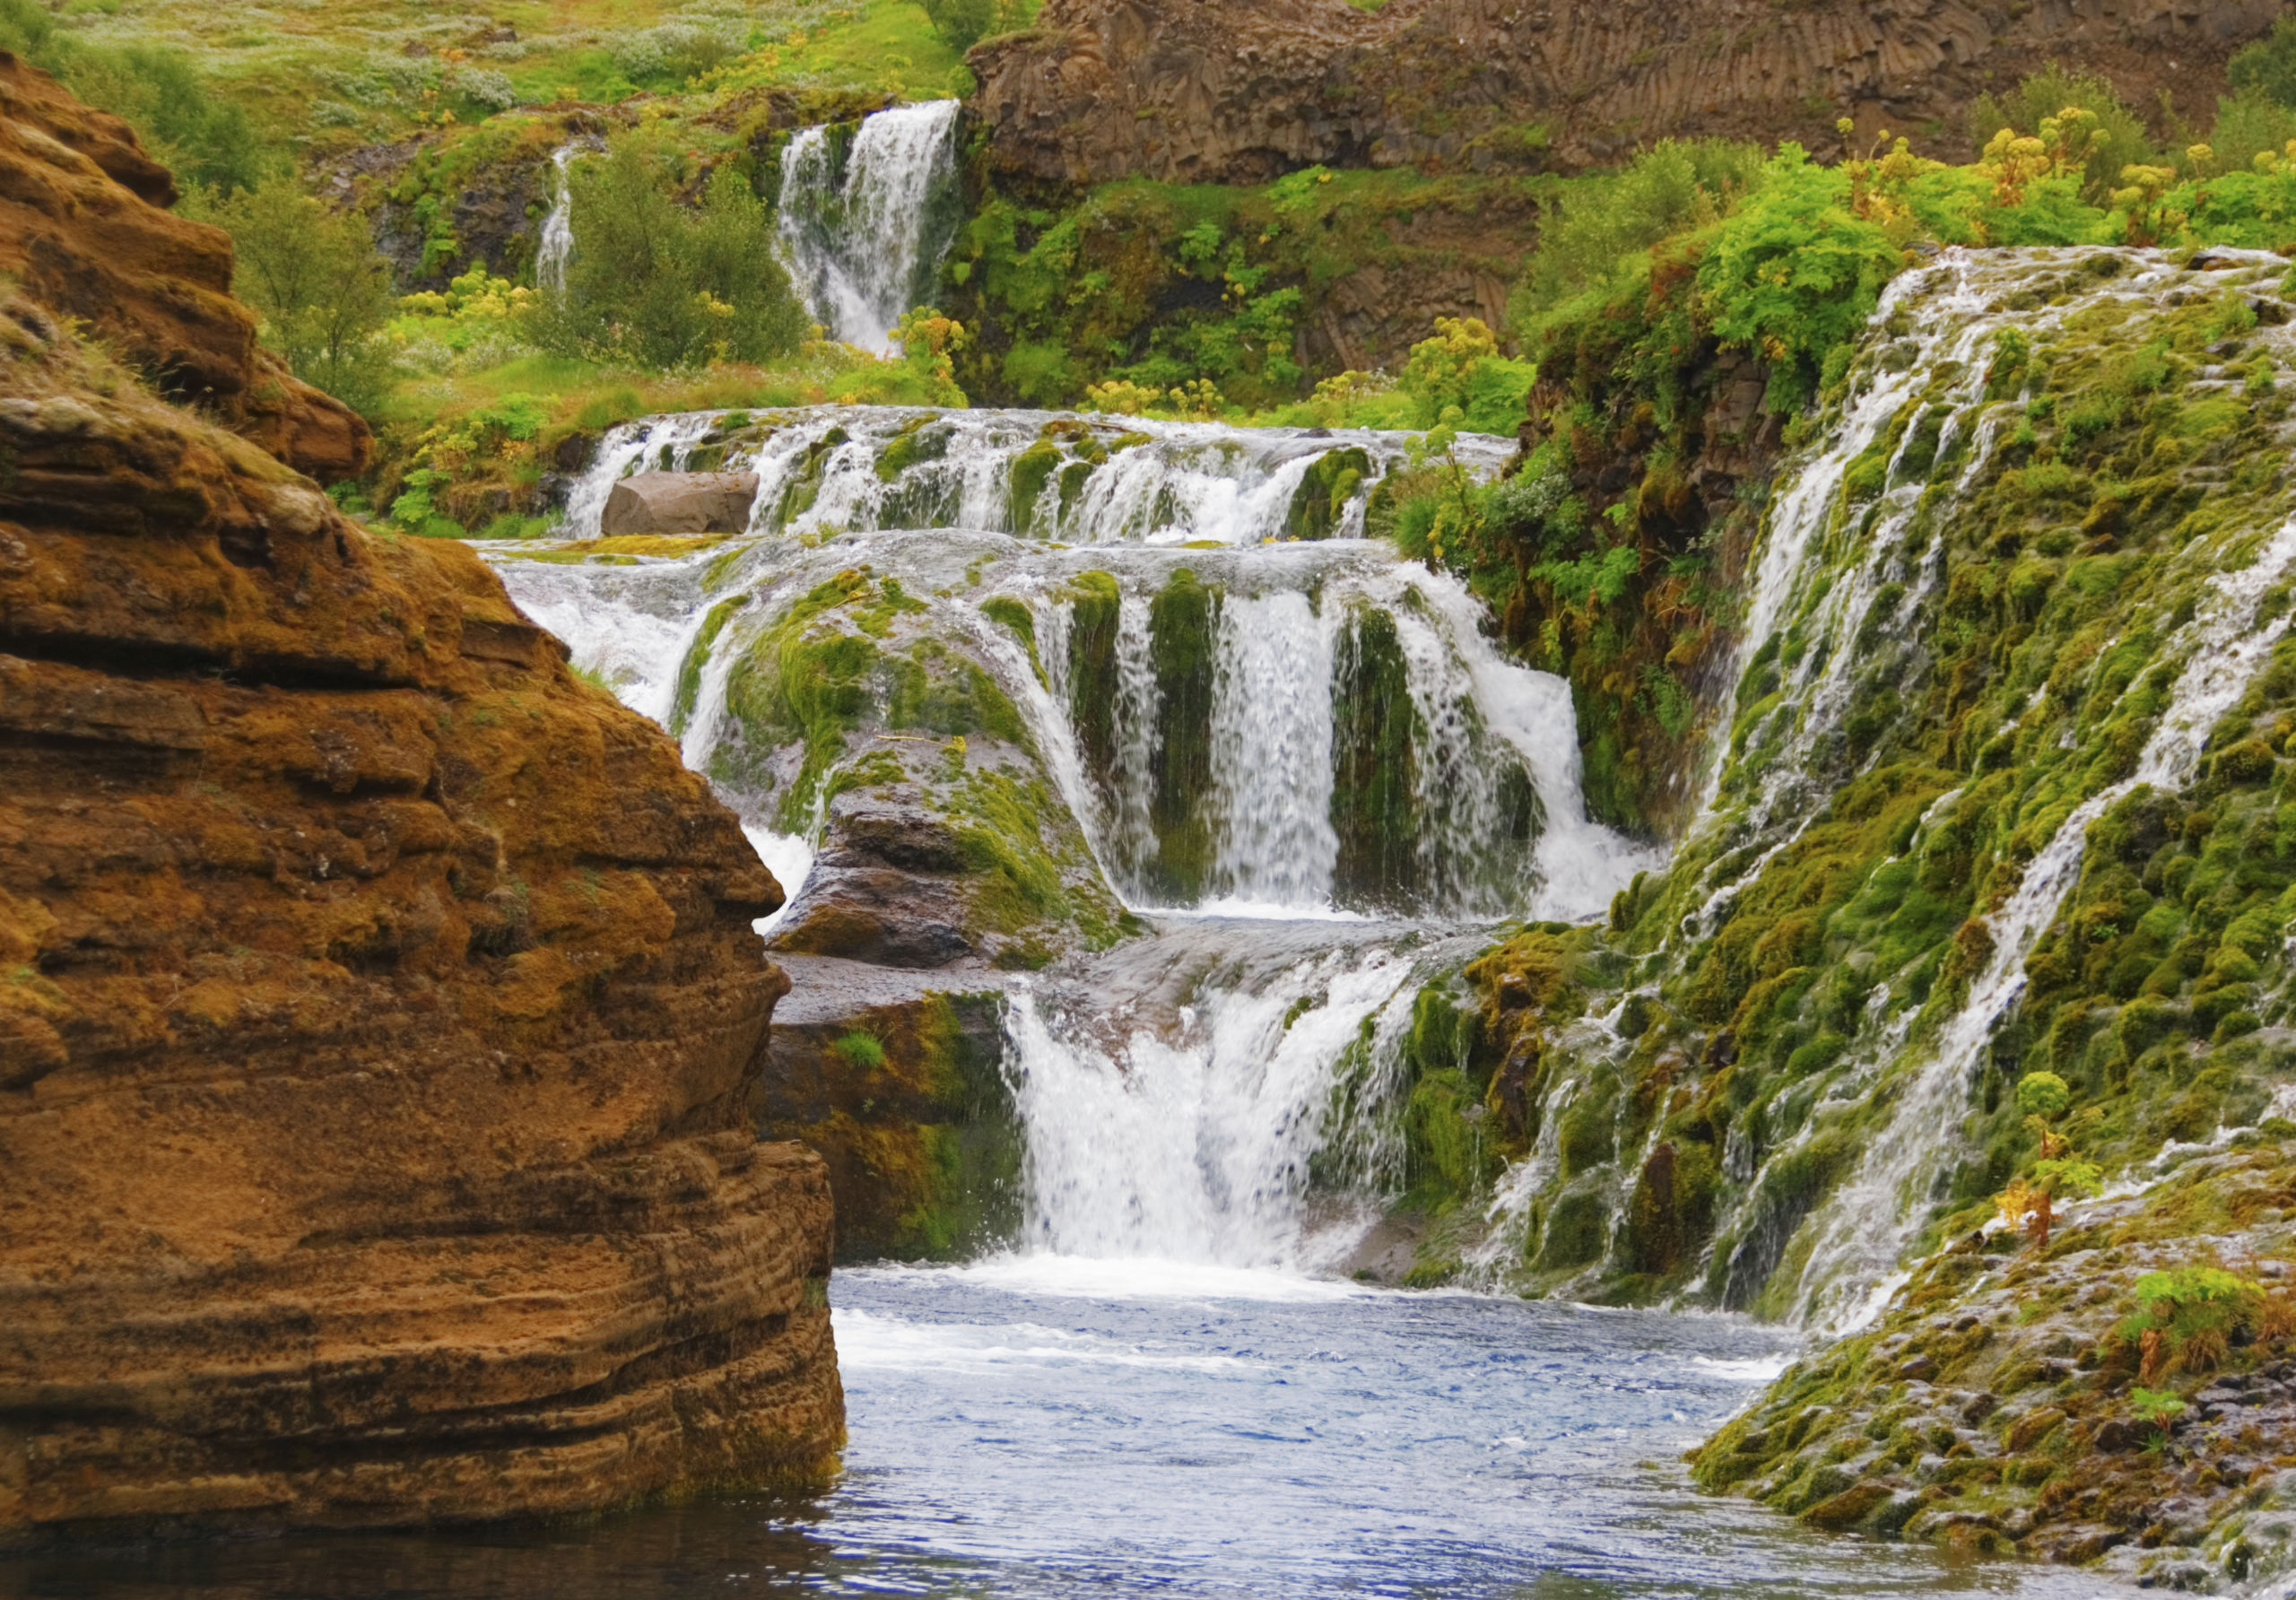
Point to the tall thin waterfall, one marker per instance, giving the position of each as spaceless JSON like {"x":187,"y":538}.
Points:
{"x":555,"y":247}
{"x":866,"y":218}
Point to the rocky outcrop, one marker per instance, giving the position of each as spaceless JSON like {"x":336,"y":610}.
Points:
{"x":85,"y":232}
{"x":898,"y":1079}
{"x":379,"y":1008}
{"x":2000,"y":1404}
{"x":680,"y":503}
{"x":1242,"y":91}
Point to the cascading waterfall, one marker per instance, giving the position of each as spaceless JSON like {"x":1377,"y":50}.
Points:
{"x":1853,"y":566}
{"x":1186,"y":1094}
{"x":1198,"y":1136}
{"x":867,"y":217}
{"x":1876,"y":1217}
{"x":825,"y":471}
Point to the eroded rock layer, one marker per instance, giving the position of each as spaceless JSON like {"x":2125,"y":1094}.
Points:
{"x":379,"y":1017}
{"x":82,"y":230}
{"x":1243,"y":91}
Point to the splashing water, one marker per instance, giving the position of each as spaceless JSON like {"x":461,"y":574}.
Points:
{"x":866,"y":223}
{"x":1216,"y":1093}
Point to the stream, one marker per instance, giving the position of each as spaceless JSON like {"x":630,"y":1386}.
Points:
{"x":1046,"y":1425}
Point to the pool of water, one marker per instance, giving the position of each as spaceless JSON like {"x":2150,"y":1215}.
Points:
{"x":1046,"y":1426}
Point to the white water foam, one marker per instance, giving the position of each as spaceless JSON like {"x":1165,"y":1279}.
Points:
{"x":865,"y":237}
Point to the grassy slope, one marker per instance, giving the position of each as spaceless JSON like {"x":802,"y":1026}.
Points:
{"x":337,"y":77}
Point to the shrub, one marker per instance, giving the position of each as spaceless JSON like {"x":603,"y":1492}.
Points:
{"x":1593,"y":229}
{"x":2186,"y":1318}
{"x":2121,"y":140}
{"x":202,"y":138}
{"x":964,"y":23}
{"x":961,"y":23}
{"x":2267,"y":69}
{"x":2043,"y":1095}
{"x":1794,"y":273}
{"x":314,"y":275}
{"x":665,"y":285}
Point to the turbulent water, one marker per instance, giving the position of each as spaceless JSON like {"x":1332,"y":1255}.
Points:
{"x":1182,"y":1094}
{"x":866,"y":216}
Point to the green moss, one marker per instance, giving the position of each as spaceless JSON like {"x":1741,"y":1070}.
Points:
{"x":1031,"y":469}
{"x":1016,"y":618}
{"x":1182,"y":635}
{"x":1374,"y":777}
{"x":1095,"y":604}
{"x":697,"y":657}
{"x":1319,"y":505}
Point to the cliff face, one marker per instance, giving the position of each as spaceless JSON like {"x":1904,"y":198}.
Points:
{"x":83,"y":232}
{"x":380,"y":1012}
{"x":1242,"y":91}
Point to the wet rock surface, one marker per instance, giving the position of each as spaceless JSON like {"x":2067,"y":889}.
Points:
{"x":379,"y":1008}
{"x":2000,"y":1405}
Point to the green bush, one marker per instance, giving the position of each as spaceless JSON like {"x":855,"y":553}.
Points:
{"x":2267,"y":69}
{"x":961,"y":23}
{"x":964,"y":23}
{"x":315,"y":277}
{"x":1593,"y":229}
{"x":1794,"y":273}
{"x":2052,"y":90}
{"x":662,"y":284}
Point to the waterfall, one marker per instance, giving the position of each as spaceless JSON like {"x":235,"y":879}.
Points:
{"x":555,"y":247}
{"x":1925,"y":486}
{"x":866,"y":218}
{"x":829,"y":470}
{"x":1870,"y":1224}
{"x":1299,"y":759}
{"x":1194,"y":1127}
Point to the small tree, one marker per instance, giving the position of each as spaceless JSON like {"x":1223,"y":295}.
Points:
{"x":314,"y":276}
{"x":661,"y":285}
{"x":2029,"y":1203}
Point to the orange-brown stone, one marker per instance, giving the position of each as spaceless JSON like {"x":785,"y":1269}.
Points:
{"x":379,"y":1009}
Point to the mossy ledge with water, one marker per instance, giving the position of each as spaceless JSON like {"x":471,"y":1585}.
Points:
{"x":2002,"y":801}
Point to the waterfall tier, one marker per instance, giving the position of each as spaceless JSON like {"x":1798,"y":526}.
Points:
{"x":866,"y":215}
{"x":1027,"y":688}
{"x":2025,"y":583}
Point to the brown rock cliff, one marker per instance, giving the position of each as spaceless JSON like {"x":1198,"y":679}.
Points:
{"x":380,"y":1012}
{"x":1242,"y":91}
{"x":83,"y":231}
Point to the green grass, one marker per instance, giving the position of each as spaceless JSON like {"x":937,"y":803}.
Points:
{"x":319,"y":78}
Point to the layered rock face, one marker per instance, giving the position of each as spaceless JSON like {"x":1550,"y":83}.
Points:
{"x":83,"y":232}
{"x":379,"y":1011}
{"x":1242,"y":91}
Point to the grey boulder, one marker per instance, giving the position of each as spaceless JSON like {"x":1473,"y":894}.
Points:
{"x":680,"y":503}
